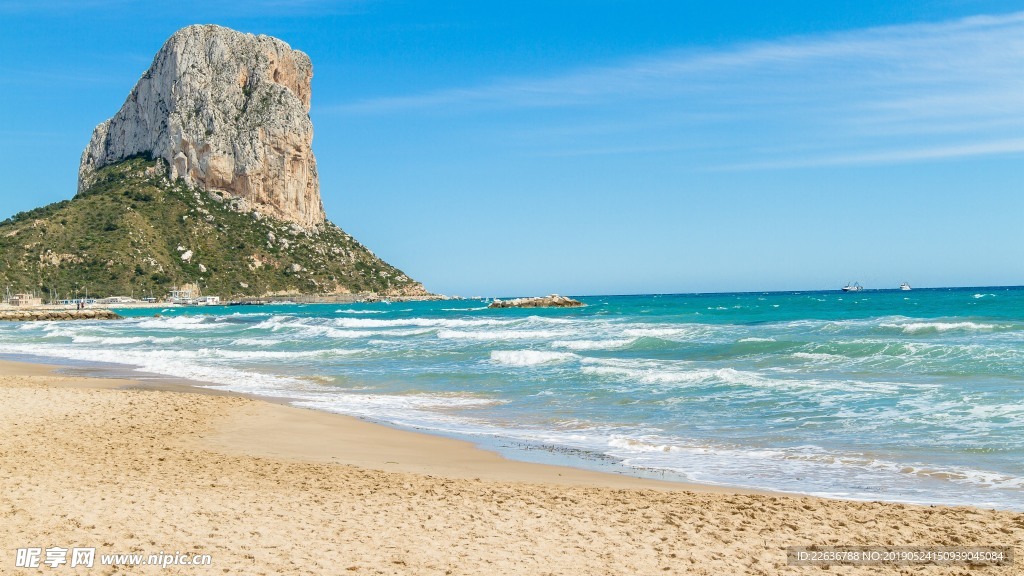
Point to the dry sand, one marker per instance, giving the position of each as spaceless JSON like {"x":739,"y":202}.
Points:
{"x":269,"y":489}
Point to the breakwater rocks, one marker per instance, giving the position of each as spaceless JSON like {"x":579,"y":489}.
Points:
{"x":552,"y":301}
{"x":30,"y":315}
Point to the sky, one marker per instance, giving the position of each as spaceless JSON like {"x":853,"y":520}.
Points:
{"x":602,"y":146}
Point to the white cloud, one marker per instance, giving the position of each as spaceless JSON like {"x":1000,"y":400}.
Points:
{"x":919,"y":92}
{"x":892,"y":156}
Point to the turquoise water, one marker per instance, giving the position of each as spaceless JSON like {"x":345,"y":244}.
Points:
{"x":909,"y":396}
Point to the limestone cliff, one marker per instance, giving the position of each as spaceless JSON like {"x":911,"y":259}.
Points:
{"x":228,"y":112}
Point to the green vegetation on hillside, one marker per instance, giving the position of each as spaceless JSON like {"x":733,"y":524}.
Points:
{"x":132,"y":232}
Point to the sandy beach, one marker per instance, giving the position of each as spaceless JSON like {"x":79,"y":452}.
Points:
{"x":265,"y":488}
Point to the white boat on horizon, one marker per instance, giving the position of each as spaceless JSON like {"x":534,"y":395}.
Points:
{"x":853,"y":287}
{"x":904,"y":286}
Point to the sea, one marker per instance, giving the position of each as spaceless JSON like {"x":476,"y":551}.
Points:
{"x":910,"y":396}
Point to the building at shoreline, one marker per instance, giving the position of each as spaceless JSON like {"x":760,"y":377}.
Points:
{"x":25,"y":300}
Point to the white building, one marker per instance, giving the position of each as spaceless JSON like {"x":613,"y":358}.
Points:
{"x":25,"y":300}
{"x":117,"y":300}
{"x":183,"y":295}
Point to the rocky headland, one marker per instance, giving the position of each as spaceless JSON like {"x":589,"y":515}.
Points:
{"x":205,"y":176}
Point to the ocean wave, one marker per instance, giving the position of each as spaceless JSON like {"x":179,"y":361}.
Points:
{"x":439,"y":412}
{"x":661,"y":375}
{"x":180,"y":323}
{"x":255,"y":342}
{"x":175,"y":363}
{"x":495,"y":335}
{"x":276,"y":354}
{"x":347,"y":334}
{"x":822,"y":472}
{"x":116,"y":340}
{"x":530,"y":357}
{"x":648,"y":372}
{"x":640,"y":445}
{"x":344,"y":328}
{"x":818,"y":356}
{"x":927,"y":327}
{"x":593,"y":344}
{"x":662,"y":332}
{"x":353,"y":311}
{"x":422,"y":322}
{"x":60,"y":332}
{"x":346,"y":400}
{"x":275,"y":323}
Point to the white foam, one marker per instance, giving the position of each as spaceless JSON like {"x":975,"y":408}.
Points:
{"x":274,"y":323}
{"x":255,"y":342}
{"x":176,"y":363}
{"x":342,"y":334}
{"x":336,"y":328}
{"x":60,"y":333}
{"x":502,"y":334}
{"x":812,"y":470}
{"x":593,"y":344}
{"x":660,"y":332}
{"x":676,"y":373}
{"x":179,"y":323}
{"x":755,"y":339}
{"x":276,"y":354}
{"x":530,"y":357}
{"x":925,"y":327}
{"x":653,"y":375}
{"x":120,"y":340}
{"x":352,"y":311}
{"x":639,"y":445}
{"x":818,"y":356}
{"x":424,"y":322}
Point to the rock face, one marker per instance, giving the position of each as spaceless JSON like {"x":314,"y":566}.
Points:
{"x":552,"y":301}
{"x":228,"y":112}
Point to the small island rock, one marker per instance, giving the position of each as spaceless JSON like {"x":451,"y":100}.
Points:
{"x":551,"y":301}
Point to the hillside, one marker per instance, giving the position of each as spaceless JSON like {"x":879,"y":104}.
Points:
{"x":134,"y":231}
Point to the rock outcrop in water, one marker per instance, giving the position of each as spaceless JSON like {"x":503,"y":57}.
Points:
{"x":552,"y":301}
{"x":228,"y":112}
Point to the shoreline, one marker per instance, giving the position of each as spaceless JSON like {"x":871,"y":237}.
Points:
{"x":265,"y":488}
{"x":420,"y":451}
{"x":573,"y":463}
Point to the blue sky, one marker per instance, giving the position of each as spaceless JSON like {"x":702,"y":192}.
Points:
{"x":604,"y":146}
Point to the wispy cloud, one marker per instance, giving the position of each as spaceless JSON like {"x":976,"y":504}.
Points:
{"x":920,"y":92}
{"x":893,"y":156}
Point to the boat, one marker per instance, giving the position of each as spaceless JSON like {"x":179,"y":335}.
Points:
{"x":904,"y":286}
{"x":853,"y":287}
